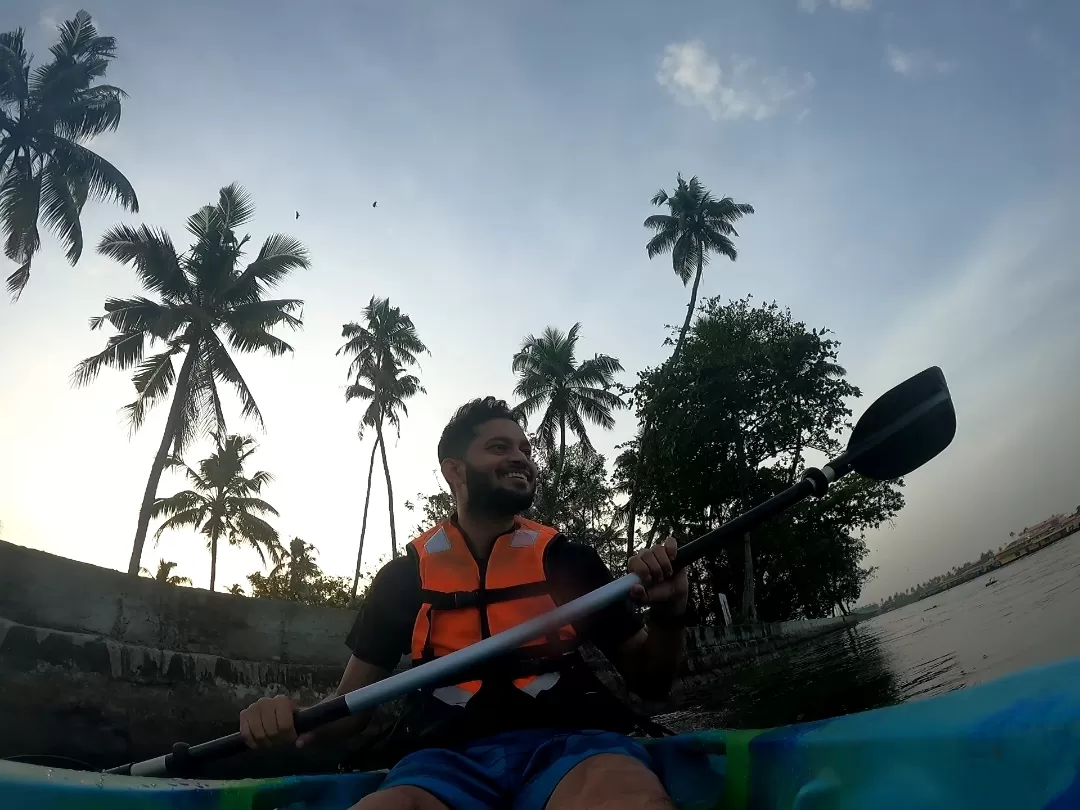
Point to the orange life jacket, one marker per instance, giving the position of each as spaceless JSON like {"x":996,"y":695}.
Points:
{"x":460,"y":607}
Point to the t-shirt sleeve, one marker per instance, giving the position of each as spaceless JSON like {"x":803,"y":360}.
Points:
{"x":574,"y":569}
{"x":382,"y":631}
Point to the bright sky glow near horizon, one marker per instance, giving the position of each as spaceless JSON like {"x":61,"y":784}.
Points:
{"x":913,"y":163}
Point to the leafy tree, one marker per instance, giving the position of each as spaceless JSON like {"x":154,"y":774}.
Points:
{"x":47,"y":115}
{"x":236,"y":589}
{"x":755,"y":390}
{"x":224,"y":503}
{"x":382,"y":348}
{"x":298,"y":578}
{"x":435,"y":508}
{"x":205,"y":300}
{"x":695,"y":226}
{"x":569,"y":393}
{"x":164,"y":574}
{"x":583,"y":504}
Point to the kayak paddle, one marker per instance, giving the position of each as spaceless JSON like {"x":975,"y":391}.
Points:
{"x":905,"y":428}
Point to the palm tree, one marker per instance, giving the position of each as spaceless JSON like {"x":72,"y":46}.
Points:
{"x":202,"y":296}
{"x":224,"y":503}
{"x":382,"y":348}
{"x":46,"y":116}
{"x":236,"y":589}
{"x":569,"y":393}
{"x":164,"y":574}
{"x":696,"y":225}
{"x":386,"y":389}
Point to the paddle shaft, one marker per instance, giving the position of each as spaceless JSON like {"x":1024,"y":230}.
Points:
{"x":813,"y":483}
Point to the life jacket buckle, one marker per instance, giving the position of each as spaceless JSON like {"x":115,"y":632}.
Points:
{"x":466,"y":599}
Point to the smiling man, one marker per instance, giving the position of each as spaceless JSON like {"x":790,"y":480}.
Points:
{"x":534,"y":731}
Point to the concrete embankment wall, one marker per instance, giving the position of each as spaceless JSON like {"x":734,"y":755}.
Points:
{"x":107,"y":668}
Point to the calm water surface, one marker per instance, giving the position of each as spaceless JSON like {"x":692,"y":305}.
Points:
{"x":966,"y":635}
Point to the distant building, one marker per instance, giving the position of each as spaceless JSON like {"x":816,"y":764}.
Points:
{"x":1039,"y":536}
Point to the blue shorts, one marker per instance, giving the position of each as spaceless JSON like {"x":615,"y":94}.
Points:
{"x":518,"y":769}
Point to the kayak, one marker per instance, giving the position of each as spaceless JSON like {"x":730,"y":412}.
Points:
{"x":1009,"y":743}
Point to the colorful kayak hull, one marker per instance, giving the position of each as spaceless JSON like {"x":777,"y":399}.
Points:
{"x":1012,"y":743}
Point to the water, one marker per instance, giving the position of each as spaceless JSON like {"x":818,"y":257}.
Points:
{"x":963,"y":636}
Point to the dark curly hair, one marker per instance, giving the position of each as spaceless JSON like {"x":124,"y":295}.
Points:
{"x":461,"y":429}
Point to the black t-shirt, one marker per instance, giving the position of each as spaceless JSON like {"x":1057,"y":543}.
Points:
{"x":382,"y":632}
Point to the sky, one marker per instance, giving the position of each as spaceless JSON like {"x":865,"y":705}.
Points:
{"x":912,"y":163}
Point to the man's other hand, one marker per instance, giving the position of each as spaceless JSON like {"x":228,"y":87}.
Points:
{"x":664,"y":589}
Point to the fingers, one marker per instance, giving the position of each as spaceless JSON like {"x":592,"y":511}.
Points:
{"x":655,"y":568}
{"x":283,"y":714}
{"x":671,"y":547}
{"x":268,"y":722}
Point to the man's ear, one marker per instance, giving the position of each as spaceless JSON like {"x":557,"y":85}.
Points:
{"x":453,"y":471}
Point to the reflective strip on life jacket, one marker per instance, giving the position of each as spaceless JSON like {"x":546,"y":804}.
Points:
{"x":458,"y":609}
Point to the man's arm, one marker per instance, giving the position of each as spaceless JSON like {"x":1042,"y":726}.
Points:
{"x":357,"y":675}
{"x":646,"y":656}
{"x":377,"y":639}
{"x":649,"y":660}
{"x":269,"y":721}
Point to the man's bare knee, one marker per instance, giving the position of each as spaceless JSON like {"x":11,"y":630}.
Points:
{"x":401,"y":797}
{"x":613,"y":781}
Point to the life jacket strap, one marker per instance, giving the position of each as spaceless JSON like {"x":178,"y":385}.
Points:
{"x":456,"y":600}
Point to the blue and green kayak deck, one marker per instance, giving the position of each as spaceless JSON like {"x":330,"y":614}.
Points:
{"x":1009,"y":744}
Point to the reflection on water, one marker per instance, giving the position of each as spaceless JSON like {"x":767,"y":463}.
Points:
{"x":969,"y":634}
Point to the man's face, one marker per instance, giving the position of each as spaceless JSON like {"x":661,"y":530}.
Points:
{"x":500,"y":475}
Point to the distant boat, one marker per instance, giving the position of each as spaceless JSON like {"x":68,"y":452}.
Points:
{"x":990,"y":582}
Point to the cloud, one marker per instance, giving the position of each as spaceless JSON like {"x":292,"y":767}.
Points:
{"x":49,"y":20}
{"x":696,"y":79}
{"x":916,"y":62}
{"x":810,"y":6}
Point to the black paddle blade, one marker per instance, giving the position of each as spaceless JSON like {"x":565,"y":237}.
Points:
{"x":905,"y":428}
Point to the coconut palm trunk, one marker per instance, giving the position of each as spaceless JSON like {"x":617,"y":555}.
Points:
{"x":389,"y":488}
{"x":176,"y":410}
{"x":363,"y":523}
{"x":214,"y":536}
{"x":690,"y":307}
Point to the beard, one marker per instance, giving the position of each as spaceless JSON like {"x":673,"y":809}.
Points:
{"x":487,"y":498}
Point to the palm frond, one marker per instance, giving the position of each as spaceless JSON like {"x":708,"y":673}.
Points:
{"x":121,"y":352}
{"x":265,"y":314}
{"x":247,"y":504}
{"x":224,"y":368}
{"x":235,"y":205}
{"x":358,"y":390}
{"x":599,"y":371}
{"x":150,"y":251}
{"x":254,"y":339}
{"x":183,"y":519}
{"x":596,"y":405}
{"x":153,"y":378}
{"x":92,"y":111}
{"x":182,"y":501}
{"x":251,"y":530}
{"x":101,"y":179}
{"x":577,"y":427}
{"x":280,"y":255}
{"x":60,"y":211}
{"x":20,"y":202}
